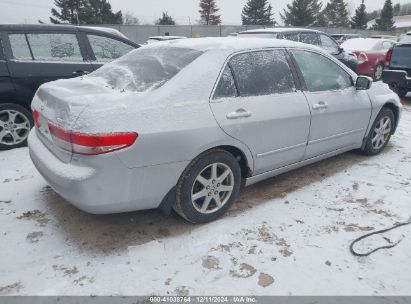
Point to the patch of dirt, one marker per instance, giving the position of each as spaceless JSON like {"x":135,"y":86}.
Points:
{"x":211,"y":263}
{"x":35,"y":215}
{"x":5,"y":202}
{"x":265,"y":280}
{"x":182,"y":291}
{"x":83,"y":280}
{"x":354,"y":227}
{"x":244,"y":271}
{"x":355,"y":186}
{"x":34,"y":237}
{"x":12,"y":287}
{"x":67,"y":271}
{"x":22,"y":178}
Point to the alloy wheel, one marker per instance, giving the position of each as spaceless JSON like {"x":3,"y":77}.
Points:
{"x":212,"y":188}
{"x":381,"y":132}
{"x":14,"y":127}
{"x":378,"y":72}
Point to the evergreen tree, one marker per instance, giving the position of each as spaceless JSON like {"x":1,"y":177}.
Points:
{"x":302,"y":13}
{"x":68,"y":11}
{"x":360,"y":19}
{"x":166,"y":20}
{"x":397,"y":10}
{"x":85,"y":12}
{"x":257,"y":12}
{"x":385,"y":22}
{"x":208,"y":12}
{"x":336,"y":13}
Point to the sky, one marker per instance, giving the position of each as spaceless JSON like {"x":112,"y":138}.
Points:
{"x":183,"y":11}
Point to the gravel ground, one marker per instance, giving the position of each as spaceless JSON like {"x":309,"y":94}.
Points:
{"x":286,"y":236}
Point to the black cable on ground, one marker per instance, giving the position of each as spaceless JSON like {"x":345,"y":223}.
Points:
{"x":373,"y":233}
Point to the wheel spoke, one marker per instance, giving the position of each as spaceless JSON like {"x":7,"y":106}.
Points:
{"x":3,"y":134}
{"x":223,"y":176}
{"x":375,"y":138}
{"x":226,"y":188}
{"x":12,"y":116}
{"x":16,"y":138}
{"x":387,"y":131}
{"x":386,"y":124}
{"x":214,"y":171}
{"x":23,"y":126}
{"x":200,"y":194}
{"x":202,"y":180}
{"x":206,"y":203}
{"x":218,"y":201}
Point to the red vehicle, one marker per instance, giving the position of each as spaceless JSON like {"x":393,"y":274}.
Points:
{"x":371,"y":55}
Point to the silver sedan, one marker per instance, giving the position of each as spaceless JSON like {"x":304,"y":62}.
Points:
{"x":185,"y":124}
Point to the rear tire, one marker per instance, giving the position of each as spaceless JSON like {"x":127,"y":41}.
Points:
{"x":208,"y":187}
{"x":15,"y":125}
{"x":401,"y":92}
{"x":377,"y":76}
{"x":380,"y":133}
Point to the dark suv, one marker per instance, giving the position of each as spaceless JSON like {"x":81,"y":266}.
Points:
{"x":31,"y":55}
{"x":398,"y":72}
{"x":307,"y":36}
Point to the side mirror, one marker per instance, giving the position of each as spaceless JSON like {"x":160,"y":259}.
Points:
{"x":363,"y":83}
{"x":340,"y":50}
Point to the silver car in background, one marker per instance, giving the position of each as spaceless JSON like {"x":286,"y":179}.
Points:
{"x":185,"y":124}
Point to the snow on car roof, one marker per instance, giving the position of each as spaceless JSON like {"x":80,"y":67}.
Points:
{"x":279,"y":30}
{"x":107,"y":30}
{"x":233,"y":43}
{"x":361,"y":44}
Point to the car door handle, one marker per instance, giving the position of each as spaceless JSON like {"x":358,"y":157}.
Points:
{"x":79,"y":73}
{"x":320,"y":106}
{"x":240,"y":113}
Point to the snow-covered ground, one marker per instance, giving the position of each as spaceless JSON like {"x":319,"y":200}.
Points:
{"x":289,"y":235}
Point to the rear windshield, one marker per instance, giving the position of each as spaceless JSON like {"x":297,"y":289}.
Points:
{"x":337,"y":37}
{"x":258,"y":35}
{"x":405,"y":38}
{"x":401,"y":56}
{"x":146,"y":68}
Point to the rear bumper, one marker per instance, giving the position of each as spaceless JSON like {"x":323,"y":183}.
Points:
{"x":365,"y":69}
{"x":103,"y":184}
{"x":397,"y":79}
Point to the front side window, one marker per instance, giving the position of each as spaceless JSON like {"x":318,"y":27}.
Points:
{"x":55,"y":47}
{"x":145,"y":69}
{"x":20,"y":47}
{"x":320,"y":73}
{"x":1,"y":50}
{"x":309,"y":38}
{"x":226,"y":85}
{"x":291,"y":36}
{"x":262,"y":73}
{"x":329,"y":44}
{"x":107,"y":49}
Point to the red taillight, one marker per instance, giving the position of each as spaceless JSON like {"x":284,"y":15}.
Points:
{"x":388,"y":57}
{"x":362,"y":57}
{"x":36,"y":116}
{"x":90,"y":144}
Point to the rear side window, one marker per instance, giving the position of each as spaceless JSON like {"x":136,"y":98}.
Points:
{"x":146,"y":68}
{"x":309,"y":38}
{"x":226,"y":86}
{"x":262,"y":73}
{"x":329,"y":44}
{"x":20,"y":47}
{"x":55,"y":47}
{"x":107,"y":49}
{"x":320,"y":73}
{"x":401,"y":56}
{"x":291,"y":36}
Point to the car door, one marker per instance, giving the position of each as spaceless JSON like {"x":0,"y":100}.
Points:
{"x":40,"y":57}
{"x":257,"y":101}
{"x":340,"y":113}
{"x":104,"y":49}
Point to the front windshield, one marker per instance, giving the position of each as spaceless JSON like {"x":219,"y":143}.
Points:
{"x":146,"y":68}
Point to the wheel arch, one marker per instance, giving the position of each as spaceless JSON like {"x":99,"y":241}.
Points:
{"x":396,"y":110}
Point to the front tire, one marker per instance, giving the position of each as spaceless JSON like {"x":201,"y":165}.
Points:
{"x":208,"y":187}
{"x":15,"y":125}
{"x":380,"y":133}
